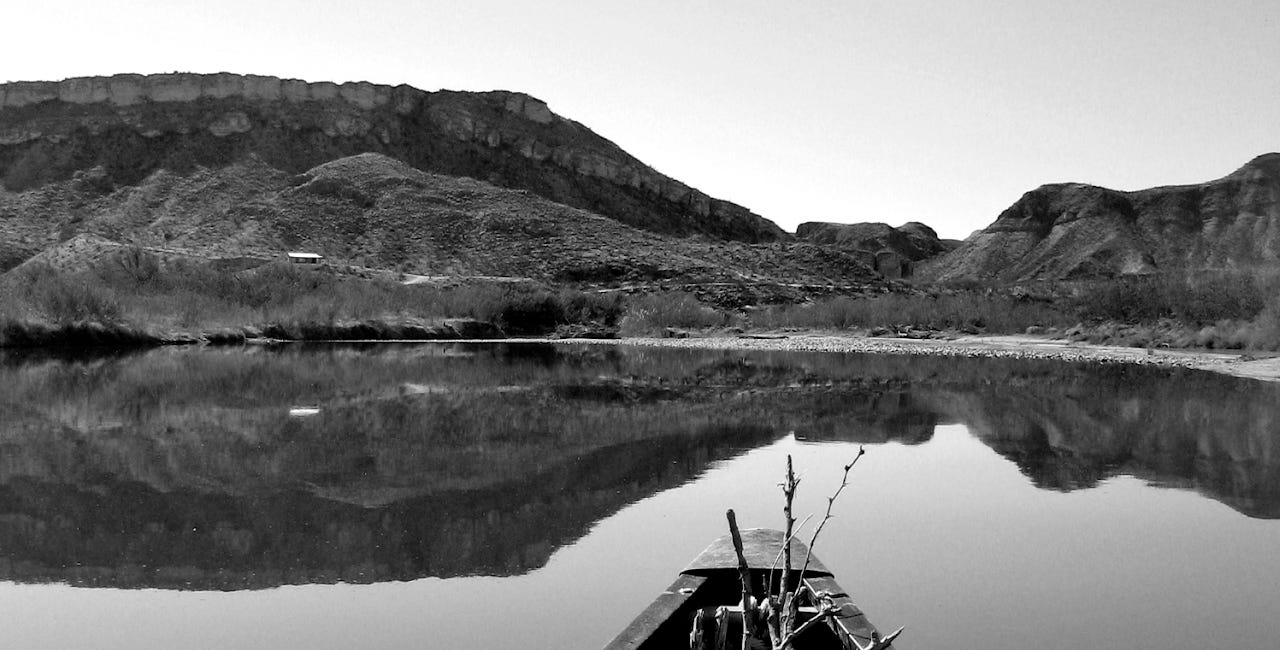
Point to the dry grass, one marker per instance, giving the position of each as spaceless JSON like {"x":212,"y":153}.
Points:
{"x":652,"y":314}
{"x":960,"y":311}
{"x":187,"y":296}
{"x":1220,"y":311}
{"x":1191,"y":299}
{"x":132,"y":297}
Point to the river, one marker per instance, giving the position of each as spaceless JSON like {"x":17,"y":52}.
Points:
{"x":489,"y":496}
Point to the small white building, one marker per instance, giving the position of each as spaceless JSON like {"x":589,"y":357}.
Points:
{"x":297,"y":257}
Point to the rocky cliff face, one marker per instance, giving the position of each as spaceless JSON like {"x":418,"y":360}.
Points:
{"x":913,"y":240}
{"x":133,"y":125}
{"x":893,"y":252}
{"x":1074,"y":231}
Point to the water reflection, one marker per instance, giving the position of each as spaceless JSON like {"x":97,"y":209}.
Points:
{"x":231,"y":469}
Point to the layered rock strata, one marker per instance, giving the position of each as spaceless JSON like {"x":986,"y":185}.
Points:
{"x":133,"y":125}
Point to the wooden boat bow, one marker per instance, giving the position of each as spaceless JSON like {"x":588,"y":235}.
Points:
{"x":711,"y":580}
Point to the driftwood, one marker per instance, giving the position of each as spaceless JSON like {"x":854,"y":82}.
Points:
{"x":780,"y":612}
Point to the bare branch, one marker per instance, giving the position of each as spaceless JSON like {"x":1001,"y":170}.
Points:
{"x":844,"y":481}
{"x":826,"y":612}
{"x":744,"y":573}
{"x":778,"y":558}
{"x":787,"y":614}
{"x":780,"y":614}
{"x":878,"y":642}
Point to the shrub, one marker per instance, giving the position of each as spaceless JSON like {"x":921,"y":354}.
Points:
{"x":1193,"y":299}
{"x":1264,"y":333}
{"x":132,"y":264}
{"x":66,"y":299}
{"x":652,"y":313}
{"x":593,"y":307}
{"x":530,"y":313}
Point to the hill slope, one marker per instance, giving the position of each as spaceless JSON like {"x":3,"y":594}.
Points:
{"x":132,"y":126}
{"x":371,"y":210}
{"x":1076,"y":231}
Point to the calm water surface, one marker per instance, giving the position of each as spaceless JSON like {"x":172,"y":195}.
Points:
{"x":540,"y":496}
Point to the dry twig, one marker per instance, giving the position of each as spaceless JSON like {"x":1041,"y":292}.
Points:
{"x":744,"y":573}
{"x":782,"y":611}
{"x":844,"y":481}
{"x":878,"y":642}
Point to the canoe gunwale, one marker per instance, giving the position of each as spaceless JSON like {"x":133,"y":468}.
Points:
{"x":708,"y":573}
{"x":760,"y":546}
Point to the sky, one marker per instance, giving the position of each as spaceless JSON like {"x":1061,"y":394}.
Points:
{"x":845,"y":111}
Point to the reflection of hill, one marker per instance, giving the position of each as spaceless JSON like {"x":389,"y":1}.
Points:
{"x":1069,"y":426}
{"x":1214,"y":434}
{"x":878,"y":414}
{"x":185,"y":468}
{"x":126,"y":534}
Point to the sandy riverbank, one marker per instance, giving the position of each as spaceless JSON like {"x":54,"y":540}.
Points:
{"x":1029,"y":347}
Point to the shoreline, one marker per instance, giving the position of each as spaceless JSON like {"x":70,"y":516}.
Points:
{"x":997,"y":346}
{"x":1240,"y":364}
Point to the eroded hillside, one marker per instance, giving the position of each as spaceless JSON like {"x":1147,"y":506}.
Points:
{"x":373,"y":211}
{"x":132,"y":126}
{"x":1073,"y":231}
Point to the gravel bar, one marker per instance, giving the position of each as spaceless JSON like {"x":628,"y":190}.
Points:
{"x":1017,"y":347}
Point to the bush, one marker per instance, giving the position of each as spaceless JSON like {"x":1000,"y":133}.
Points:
{"x":1265,"y":329}
{"x":530,"y":313}
{"x":67,"y":299}
{"x":132,"y":264}
{"x":1191,"y":299}
{"x":653,"y":313}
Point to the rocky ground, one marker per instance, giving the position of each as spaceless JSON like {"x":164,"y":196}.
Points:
{"x":1026,"y":347}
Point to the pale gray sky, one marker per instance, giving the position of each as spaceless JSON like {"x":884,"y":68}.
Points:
{"x":894,"y":111}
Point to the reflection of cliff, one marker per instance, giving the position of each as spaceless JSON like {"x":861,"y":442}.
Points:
{"x":185,"y":469}
{"x":867,"y":416}
{"x":391,"y":424}
{"x":125,"y":534}
{"x":1070,"y":426}
{"x":1066,"y":426}
{"x":1181,"y":429}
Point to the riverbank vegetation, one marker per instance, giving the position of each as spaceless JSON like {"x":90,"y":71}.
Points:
{"x":132,"y":297}
{"x":1224,"y":311}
